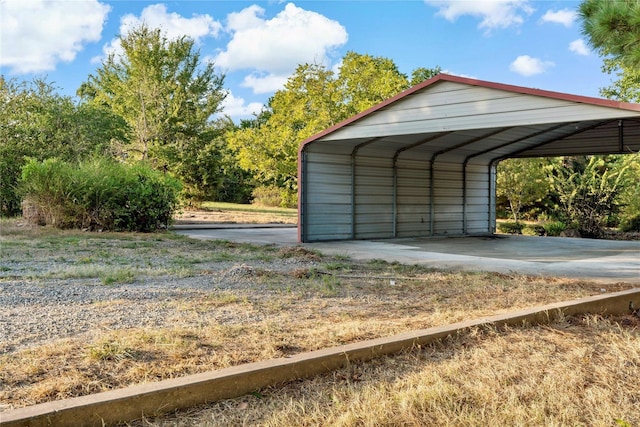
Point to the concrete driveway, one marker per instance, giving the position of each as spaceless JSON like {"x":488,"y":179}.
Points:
{"x":599,"y":260}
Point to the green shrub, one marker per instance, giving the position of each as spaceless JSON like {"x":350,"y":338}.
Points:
{"x":100,"y":194}
{"x":510,"y":227}
{"x":554,"y":228}
{"x":630,"y":223}
{"x":273,"y":196}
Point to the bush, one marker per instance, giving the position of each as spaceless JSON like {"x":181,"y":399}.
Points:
{"x":554,"y":228}
{"x":510,"y":227}
{"x":100,"y":194}
{"x":273,"y":196}
{"x":630,"y":224}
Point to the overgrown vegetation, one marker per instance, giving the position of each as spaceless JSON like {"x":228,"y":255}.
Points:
{"x":158,"y":101}
{"x":98,"y":195}
{"x":584,"y":193}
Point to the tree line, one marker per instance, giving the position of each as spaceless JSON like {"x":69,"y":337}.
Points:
{"x":157,"y":102}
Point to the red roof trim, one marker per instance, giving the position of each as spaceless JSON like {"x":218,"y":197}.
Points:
{"x":473,"y":82}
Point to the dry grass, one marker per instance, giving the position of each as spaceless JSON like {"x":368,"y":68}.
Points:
{"x":576,"y":372}
{"x":228,"y":213}
{"x":292,"y":300}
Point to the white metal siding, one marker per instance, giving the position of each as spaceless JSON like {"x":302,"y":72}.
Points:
{"x":373,"y":197}
{"x":327,"y":199}
{"x":413,"y":190}
{"x":455,"y":106}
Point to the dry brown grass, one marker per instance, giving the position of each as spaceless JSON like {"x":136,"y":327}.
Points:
{"x":575,"y":372}
{"x":295,"y":300}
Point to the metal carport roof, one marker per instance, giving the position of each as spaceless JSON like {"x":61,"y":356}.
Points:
{"x":455,"y":129}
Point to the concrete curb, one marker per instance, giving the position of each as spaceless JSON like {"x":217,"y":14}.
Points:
{"x":156,"y":398}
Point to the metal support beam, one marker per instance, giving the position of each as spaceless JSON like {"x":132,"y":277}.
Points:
{"x":621,"y":136}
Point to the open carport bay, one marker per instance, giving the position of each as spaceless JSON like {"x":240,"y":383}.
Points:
{"x":600,"y":260}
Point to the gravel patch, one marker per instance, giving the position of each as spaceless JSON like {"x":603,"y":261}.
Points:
{"x":37,"y":311}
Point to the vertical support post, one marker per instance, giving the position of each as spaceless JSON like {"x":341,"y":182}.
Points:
{"x":621,"y":136}
{"x":464,"y":197}
{"x":353,"y":193}
{"x":432,"y":214}
{"x":492,"y":197}
{"x":302,"y":202}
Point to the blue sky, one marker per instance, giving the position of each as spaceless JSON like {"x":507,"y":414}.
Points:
{"x":258,"y":44}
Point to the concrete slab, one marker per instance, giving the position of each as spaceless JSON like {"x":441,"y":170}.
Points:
{"x":599,"y":260}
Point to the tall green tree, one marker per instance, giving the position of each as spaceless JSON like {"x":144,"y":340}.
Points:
{"x":162,"y":90}
{"x":613,"y":28}
{"x":313,"y":99}
{"x":39,"y":123}
{"x":366,"y":80}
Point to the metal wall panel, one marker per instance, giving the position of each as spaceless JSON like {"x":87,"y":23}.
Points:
{"x":326,"y":202}
{"x":413,"y":217}
{"x":373,"y":196}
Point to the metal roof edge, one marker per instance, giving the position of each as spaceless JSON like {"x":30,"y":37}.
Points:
{"x":474,"y":82}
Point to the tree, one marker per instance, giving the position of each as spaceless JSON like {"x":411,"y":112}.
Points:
{"x":522,"y":182}
{"x":613,"y":28}
{"x":366,"y":80}
{"x":627,"y":87}
{"x":589,"y":188}
{"x":36,"y":122}
{"x":268,"y":145}
{"x":162,"y":91}
{"x":313,"y":99}
{"x":421,"y":74}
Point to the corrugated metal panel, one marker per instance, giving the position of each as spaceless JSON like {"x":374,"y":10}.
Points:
{"x":413,"y":216}
{"x":326,"y":214}
{"x":373,"y":197}
{"x":470,"y":108}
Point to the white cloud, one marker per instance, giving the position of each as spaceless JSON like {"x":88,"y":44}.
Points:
{"x":264,"y":83}
{"x":236,"y":108}
{"x":580,"y":47}
{"x":564,"y":17}
{"x":495,"y":14}
{"x":172,"y":25}
{"x":528,"y":66}
{"x":36,"y":35}
{"x":273,"y":48}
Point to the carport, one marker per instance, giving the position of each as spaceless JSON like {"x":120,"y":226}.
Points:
{"x":423,"y":162}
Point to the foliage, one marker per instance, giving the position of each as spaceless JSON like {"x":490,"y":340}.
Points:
{"x":99,"y":194}
{"x":627,"y":87}
{"x":37,"y":122}
{"x":613,"y":28}
{"x":365,"y":81}
{"x":313,"y":99}
{"x":167,"y":97}
{"x":274,"y":196}
{"x":630,"y":195}
{"x":421,"y":74}
{"x":588,"y":188}
{"x":522,"y":182}
{"x":554,"y":228}
{"x":510,"y":227}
